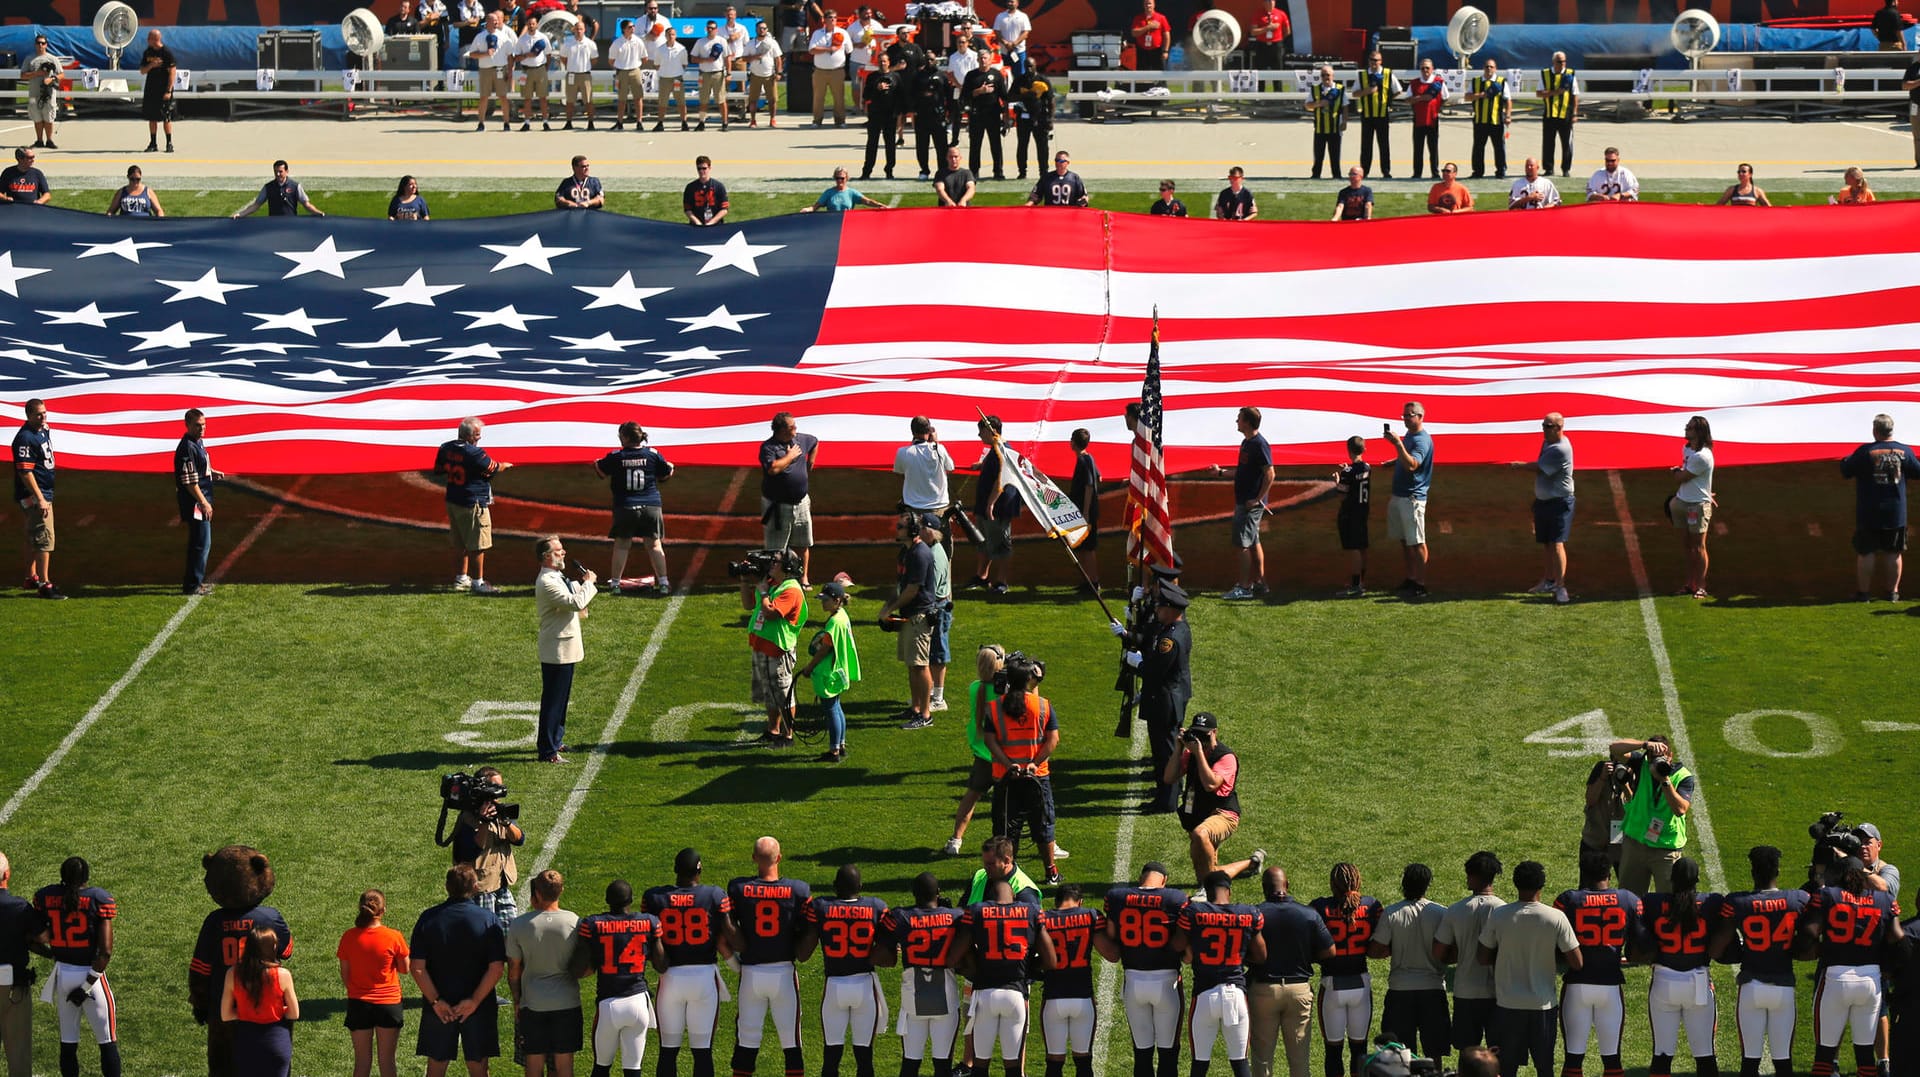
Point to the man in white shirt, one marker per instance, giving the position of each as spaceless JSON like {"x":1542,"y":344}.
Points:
{"x":530,"y":55}
{"x":1614,"y":183}
{"x":714,"y":54}
{"x":580,"y":52}
{"x":492,"y":53}
{"x":924,"y":466}
{"x":764,"y":65}
{"x":737,"y":37}
{"x":1534,"y":191}
{"x":864,"y":36}
{"x":960,"y":63}
{"x":670,"y":56}
{"x":626,"y":54}
{"x":1011,"y":28}
{"x":829,"y":47}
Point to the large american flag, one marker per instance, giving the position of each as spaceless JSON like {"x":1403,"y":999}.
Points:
{"x":347,"y":345}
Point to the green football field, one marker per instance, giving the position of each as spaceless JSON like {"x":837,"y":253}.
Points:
{"x":310,"y":704}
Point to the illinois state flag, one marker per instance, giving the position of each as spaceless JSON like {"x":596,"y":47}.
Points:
{"x":329,"y":344}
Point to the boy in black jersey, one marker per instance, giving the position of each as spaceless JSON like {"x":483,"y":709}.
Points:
{"x":1355,"y":481}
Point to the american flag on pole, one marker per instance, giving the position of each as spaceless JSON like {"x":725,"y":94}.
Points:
{"x":1149,"y":526}
{"x":337,"y":345}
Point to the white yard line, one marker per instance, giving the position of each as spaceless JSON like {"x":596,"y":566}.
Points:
{"x":1109,"y":989}
{"x":1901,"y":135}
{"x":99,"y":708}
{"x":623,"y":707}
{"x":1699,"y":823}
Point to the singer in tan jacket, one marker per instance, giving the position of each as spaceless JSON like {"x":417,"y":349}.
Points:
{"x":562,"y":604}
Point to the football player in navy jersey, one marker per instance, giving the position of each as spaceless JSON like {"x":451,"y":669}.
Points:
{"x":1140,"y":921}
{"x":33,"y":492}
{"x":1607,"y":922}
{"x":616,"y":946}
{"x":1067,"y":1017}
{"x":767,"y":916}
{"x":1760,"y":923}
{"x":695,"y":933}
{"x":468,"y":472}
{"x":1849,"y":927}
{"x":1681,"y":991}
{"x":79,"y":921}
{"x":844,"y":928}
{"x":997,"y":941}
{"x":1346,"y":987}
{"x":1221,"y":939}
{"x":920,"y":939}
{"x":635,"y":471}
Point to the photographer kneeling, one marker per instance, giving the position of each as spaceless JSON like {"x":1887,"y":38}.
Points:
{"x":1022,"y":733}
{"x":779,"y":608}
{"x":1210,"y":806}
{"x":1655,"y":823}
{"x":484,"y":837}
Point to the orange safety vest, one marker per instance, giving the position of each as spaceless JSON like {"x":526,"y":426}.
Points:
{"x":1021,"y":737}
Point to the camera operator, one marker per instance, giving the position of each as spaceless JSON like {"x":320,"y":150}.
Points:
{"x":1609,"y":787}
{"x":779,"y":608}
{"x":1880,"y":876}
{"x":1022,"y":733}
{"x":915,"y":603}
{"x":1210,"y":807}
{"x":483,"y":839}
{"x":1655,"y":819}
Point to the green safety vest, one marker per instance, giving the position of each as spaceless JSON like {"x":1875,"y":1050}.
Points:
{"x":777,"y":630}
{"x":1559,"y":92}
{"x":1019,"y":881}
{"x":1487,"y":109}
{"x":1374,"y":95}
{"x":1650,"y":819}
{"x":976,"y":739}
{"x":1326,"y":118}
{"x":832,"y":678}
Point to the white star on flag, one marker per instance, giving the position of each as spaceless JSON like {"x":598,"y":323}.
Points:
{"x":415,"y":292}
{"x":173,"y":336}
{"x":208,"y":287}
{"x":621,"y":293}
{"x":482,"y":350}
{"x":267,"y":346}
{"x":322,"y":259}
{"x":735,"y":252}
{"x":719,"y":318}
{"x":701,"y":354}
{"x":393,"y":339}
{"x":11,"y":275}
{"x":506,"y":316}
{"x":123,"y":248}
{"x":531,"y":253}
{"x":296,"y":320}
{"x":91,"y":314}
{"x":605,"y":342}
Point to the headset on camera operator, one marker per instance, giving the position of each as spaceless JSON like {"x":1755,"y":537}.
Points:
{"x":1655,"y":820}
{"x":1210,"y":806}
{"x":778,"y":603}
{"x":484,"y":836}
{"x":1022,"y":733}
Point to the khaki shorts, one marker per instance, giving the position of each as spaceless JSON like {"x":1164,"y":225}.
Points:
{"x":672,"y":89}
{"x":759,"y":87}
{"x":773,"y":680}
{"x":1407,"y":521}
{"x":536,"y":84}
{"x":494,"y":81}
{"x":580,"y":85}
{"x":1216,"y":829}
{"x":915,"y":646}
{"x":472,"y":527}
{"x":713,"y":85}
{"x":1691,"y":516}
{"x":627,"y":84}
{"x":41,"y":110}
{"x":789,"y":527}
{"x":39,"y":528}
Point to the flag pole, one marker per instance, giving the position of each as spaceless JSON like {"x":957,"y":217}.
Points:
{"x":1072,"y":556}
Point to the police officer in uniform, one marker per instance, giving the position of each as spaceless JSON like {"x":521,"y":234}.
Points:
{"x":1492,"y":112}
{"x":1165,"y":686}
{"x":985,"y":94}
{"x":927,"y":99}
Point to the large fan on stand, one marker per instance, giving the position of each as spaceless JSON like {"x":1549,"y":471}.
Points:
{"x":1694,"y":34}
{"x":1215,"y":35}
{"x":115,"y":27}
{"x":1467,"y":34}
{"x":556,"y":25}
{"x":364,"y":35}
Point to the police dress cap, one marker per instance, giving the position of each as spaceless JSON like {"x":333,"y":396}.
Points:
{"x":1172,"y":594}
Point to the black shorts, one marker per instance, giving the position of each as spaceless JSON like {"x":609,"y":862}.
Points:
{"x":1353,"y":531}
{"x":642,"y":522}
{"x":1472,"y":1020}
{"x":550,"y":1032}
{"x":362,"y":1015}
{"x":475,"y":1038}
{"x":1422,"y":1014}
{"x":980,"y":778}
{"x":1552,"y":520}
{"x":156,"y":107}
{"x":1872,"y":540}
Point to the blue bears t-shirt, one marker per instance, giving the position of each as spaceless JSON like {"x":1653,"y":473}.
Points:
{"x":1413,"y":482}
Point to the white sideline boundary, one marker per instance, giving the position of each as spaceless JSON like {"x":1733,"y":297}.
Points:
{"x":623,"y":707}
{"x":1109,"y":986}
{"x":1701,"y":824}
{"x":99,"y":708}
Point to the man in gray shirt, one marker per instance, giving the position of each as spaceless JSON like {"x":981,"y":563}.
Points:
{"x":1553,"y":505}
{"x":546,"y":996}
{"x":1522,"y":943}
{"x":1416,"y":983}
{"x":1457,"y":942}
{"x":954,"y":184}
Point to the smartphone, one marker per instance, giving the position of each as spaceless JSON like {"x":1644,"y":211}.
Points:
{"x":1386,"y":428}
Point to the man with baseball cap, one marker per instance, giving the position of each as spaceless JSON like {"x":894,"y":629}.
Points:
{"x":912,"y":611}
{"x":1210,"y":805}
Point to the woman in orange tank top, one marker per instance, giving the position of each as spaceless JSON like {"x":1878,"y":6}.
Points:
{"x":258,"y":998}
